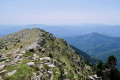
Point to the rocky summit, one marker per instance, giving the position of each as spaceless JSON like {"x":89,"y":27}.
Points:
{"x":34,"y":54}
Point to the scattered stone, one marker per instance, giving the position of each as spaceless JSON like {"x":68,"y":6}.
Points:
{"x":2,"y":66}
{"x":13,"y":62}
{"x":41,"y":66}
{"x":66,"y":72}
{"x":17,"y":56}
{"x":3,"y":71}
{"x":51,"y":65}
{"x":31,"y":64}
{"x":12,"y":72}
{"x":23,"y":52}
{"x":47,"y":63}
{"x":35,"y":56}
{"x":43,"y":50}
{"x":41,"y":77}
{"x":50,"y":72}
{"x":95,"y":77}
{"x":7,"y":60}
{"x":29,"y":57}
{"x":45,"y":58}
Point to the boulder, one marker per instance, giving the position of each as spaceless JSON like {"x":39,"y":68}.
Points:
{"x":31,"y":64}
{"x":95,"y":77}
{"x":7,"y":60}
{"x":12,"y":72}
{"x":51,"y":65}
{"x":45,"y":58}
{"x":2,"y":66}
{"x":35,"y":56}
{"x":3,"y":71}
{"x":23,"y":52}
{"x":50,"y":72}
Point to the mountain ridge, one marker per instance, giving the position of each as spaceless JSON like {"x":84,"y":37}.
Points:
{"x":96,"y":45}
{"x":35,"y":53}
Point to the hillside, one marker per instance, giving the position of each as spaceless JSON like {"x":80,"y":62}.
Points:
{"x":91,"y":59}
{"x":97,"y":45}
{"x":36,"y":54}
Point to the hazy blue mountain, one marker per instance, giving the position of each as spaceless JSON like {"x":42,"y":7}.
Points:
{"x":75,"y":30}
{"x":97,"y":45}
{"x":66,"y":30}
{"x":0,"y":35}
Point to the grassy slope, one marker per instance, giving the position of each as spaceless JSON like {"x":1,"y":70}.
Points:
{"x":57,"y":54}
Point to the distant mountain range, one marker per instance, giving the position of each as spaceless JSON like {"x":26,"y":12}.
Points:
{"x":97,"y":45}
{"x":66,"y":30}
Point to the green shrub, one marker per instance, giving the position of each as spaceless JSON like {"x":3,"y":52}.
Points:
{"x":1,"y":60}
{"x":46,"y":67}
{"x":28,"y":53}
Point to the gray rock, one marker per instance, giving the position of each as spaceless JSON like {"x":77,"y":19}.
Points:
{"x":12,"y":72}
{"x":45,"y":58}
{"x":31,"y":64}
{"x":23,"y":52}
{"x":3,"y":71}
{"x":51,"y":65}
{"x":95,"y":77}
{"x":2,"y":66}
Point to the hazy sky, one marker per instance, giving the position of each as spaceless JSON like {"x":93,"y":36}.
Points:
{"x":60,"y":11}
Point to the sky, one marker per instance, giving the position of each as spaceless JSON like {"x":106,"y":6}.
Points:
{"x":60,"y":12}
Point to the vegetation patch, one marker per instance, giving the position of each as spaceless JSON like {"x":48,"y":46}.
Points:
{"x":23,"y":72}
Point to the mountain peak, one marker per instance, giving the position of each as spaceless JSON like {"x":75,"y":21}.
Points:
{"x":97,"y":45}
{"x":94,"y":34}
{"x":35,"y":51}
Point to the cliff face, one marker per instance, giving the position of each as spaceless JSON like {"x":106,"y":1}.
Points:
{"x":36,"y":54}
